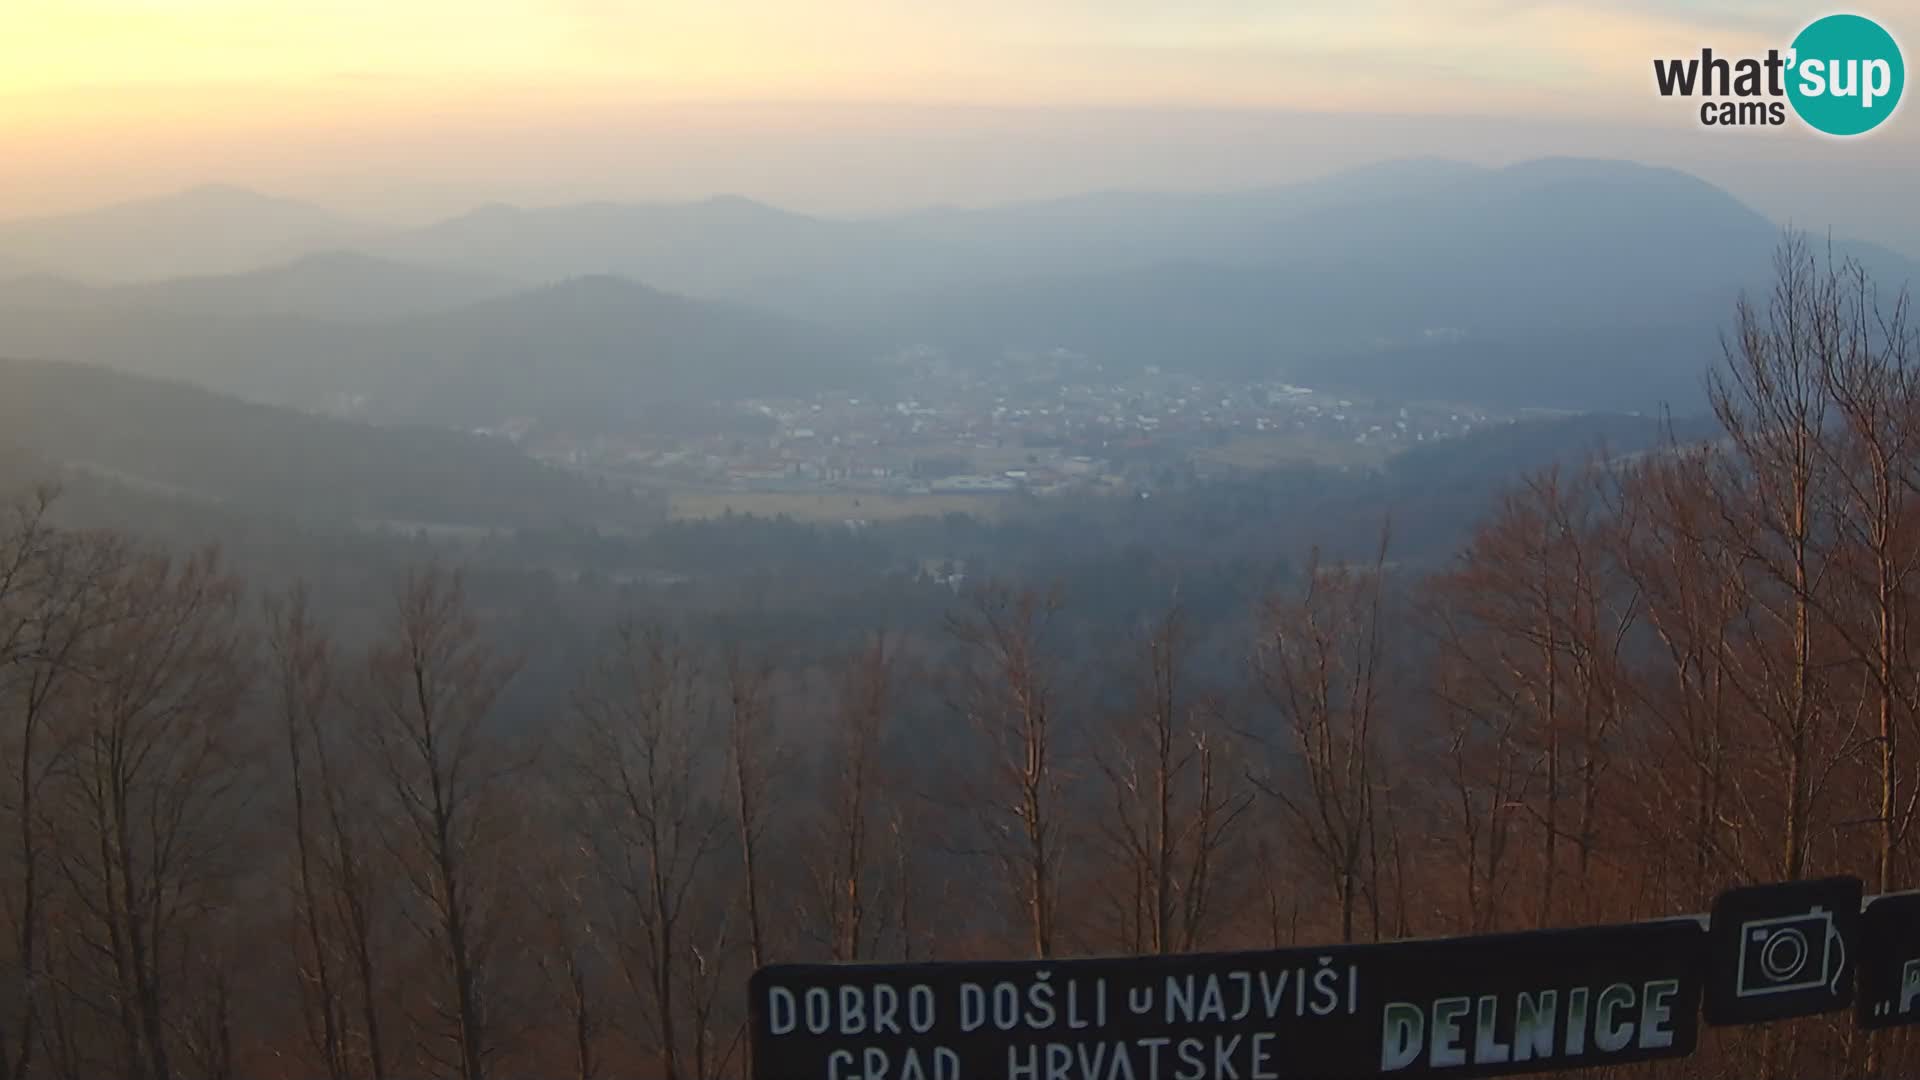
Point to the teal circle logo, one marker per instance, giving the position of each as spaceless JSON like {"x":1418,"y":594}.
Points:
{"x":1846,"y":75}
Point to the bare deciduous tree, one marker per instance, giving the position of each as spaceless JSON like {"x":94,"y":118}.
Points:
{"x":300,"y":668}
{"x":154,"y":791}
{"x":54,"y":589}
{"x":1009,"y":696}
{"x":1872,"y":459}
{"x":648,"y":723}
{"x":863,"y":694}
{"x":750,"y":746}
{"x":1772,"y":402}
{"x":428,"y":699}
{"x":1172,"y":810}
{"x":1321,"y":667}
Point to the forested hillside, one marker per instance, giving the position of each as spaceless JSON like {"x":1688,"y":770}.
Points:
{"x":247,"y":840}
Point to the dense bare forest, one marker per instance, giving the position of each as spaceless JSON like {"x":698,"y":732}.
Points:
{"x":237,"y":846}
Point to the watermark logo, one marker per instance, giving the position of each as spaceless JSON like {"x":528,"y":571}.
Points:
{"x":1850,"y":75}
{"x":1842,"y":75}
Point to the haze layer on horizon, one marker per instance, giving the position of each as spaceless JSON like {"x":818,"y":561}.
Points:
{"x":412,"y":111}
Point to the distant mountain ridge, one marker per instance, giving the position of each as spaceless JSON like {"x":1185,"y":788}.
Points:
{"x":1543,"y":283}
{"x":1565,"y":283}
{"x":336,"y":285}
{"x":210,"y":229}
{"x":1115,"y":228}
{"x":733,"y":247}
{"x":726,"y":247}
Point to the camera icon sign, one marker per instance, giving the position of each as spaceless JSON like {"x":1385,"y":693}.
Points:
{"x":1787,"y":949}
{"x":1790,"y":953}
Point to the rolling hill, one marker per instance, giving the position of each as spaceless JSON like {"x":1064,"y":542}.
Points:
{"x":1116,"y":230}
{"x":212,"y":229}
{"x":590,"y":352}
{"x":170,"y":439}
{"x":1563,"y":283}
{"x":334,"y":285}
{"x":594,"y":351}
{"x":725,"y":247}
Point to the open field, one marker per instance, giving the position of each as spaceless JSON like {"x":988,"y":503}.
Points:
{"x":833,"y":506}
{"x":1275,"y":450}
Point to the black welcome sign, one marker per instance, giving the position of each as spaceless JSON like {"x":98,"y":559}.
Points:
{"x":1480,"y":1006}
{"x":1493,"y":1005}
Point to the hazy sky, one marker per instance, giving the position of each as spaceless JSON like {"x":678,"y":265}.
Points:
{"x":410,"y":108}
